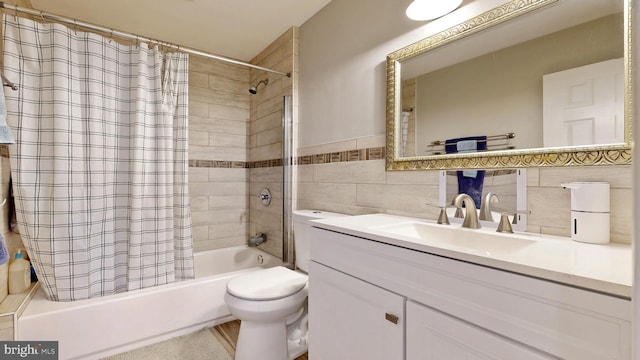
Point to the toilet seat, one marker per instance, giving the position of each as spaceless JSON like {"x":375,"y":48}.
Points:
{"x":268,"y":284}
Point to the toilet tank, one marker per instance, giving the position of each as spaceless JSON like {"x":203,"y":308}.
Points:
{"x":301,"y":227}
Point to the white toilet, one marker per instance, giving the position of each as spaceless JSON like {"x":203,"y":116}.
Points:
{"x":271,"y":303}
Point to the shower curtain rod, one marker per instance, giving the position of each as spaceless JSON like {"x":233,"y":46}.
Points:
{"x":75,"y":22}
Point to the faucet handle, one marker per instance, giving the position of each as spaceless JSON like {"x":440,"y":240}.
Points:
{"x":505,"y":225}
{"x":443,"y":218}
{"x":516,"y":212}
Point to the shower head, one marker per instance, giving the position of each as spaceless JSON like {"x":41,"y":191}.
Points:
{"x":254,"y":89}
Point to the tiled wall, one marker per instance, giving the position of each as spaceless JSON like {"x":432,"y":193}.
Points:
{"x":265,"y":138}
{"x":218,"y":123}
{"x":361,"y":187}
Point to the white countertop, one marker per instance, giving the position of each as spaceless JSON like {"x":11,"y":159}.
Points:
{"x":604,"y":268}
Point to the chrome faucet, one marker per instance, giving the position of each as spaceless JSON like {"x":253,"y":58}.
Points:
{"x":471,"y":215}
{"x":485,"y":207}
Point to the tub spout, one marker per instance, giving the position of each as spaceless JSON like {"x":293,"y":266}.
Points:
{"x":258,"y":239}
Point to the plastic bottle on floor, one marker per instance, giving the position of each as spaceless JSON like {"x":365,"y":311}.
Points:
{"x":4,"y":269}
{"x":19,"y":275}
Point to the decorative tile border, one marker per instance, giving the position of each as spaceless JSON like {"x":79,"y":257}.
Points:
{"x":234,"y":164}
{"x":264,"y":163}
{"x":343,"y":156}
{"x":326,"y":158}
{"x":217,"y":164}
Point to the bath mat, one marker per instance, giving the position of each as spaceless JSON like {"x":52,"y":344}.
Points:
{"x":200,"y":345}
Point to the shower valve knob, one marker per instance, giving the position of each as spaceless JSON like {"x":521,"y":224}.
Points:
{"x":265,"y":197}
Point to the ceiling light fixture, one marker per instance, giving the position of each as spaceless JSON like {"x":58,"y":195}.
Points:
{"x":421,"y":10}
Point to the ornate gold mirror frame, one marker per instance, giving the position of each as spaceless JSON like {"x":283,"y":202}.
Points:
{"x":617,"y":154}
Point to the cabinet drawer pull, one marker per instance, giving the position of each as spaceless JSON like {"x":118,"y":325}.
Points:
{"x":391,"y":317}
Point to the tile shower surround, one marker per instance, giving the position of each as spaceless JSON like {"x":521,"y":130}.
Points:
{"x":326,"y":158}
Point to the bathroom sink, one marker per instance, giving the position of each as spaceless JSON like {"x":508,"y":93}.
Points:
{"x":556,"y":258}
{"x":483,"y":240}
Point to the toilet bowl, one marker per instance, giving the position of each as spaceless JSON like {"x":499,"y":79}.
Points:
{"x":271,"y":303}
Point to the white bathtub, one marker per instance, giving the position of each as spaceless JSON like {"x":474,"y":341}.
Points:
{"x":95,"y":328}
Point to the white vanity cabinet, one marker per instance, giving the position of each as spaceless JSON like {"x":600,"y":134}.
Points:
{"x":353,"y":319}
{"x":433,"y":335}
{"x":449,"y":309}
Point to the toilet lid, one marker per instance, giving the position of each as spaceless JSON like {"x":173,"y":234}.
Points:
{"x":268,"y":284}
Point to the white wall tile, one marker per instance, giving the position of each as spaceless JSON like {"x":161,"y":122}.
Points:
{"x":371,"y":142}
{"x":329,"y":192}
{"x":220,"y":202}
{"x":409,"y":199}
{"x":412,"y":177}
{"x":354,"y":172}
{"x":406,"y":192}
{"x":226,"y":216}
{"x":198,"y":137}
{"x":198,"y":108}
{"x":197,"y":79}
{"x":227,"y":113}
{"x":199,"y":203}
{"x":198,"y":174}
{"x":220,"y":139}
{"x":328,"y":148}
{"x":305,"y":173}
{"x":227,"y":175}
{"x":618,"y":176}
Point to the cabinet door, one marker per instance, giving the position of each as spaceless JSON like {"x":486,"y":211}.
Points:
{"x":352,"y":319}
{"x":432,"y":335}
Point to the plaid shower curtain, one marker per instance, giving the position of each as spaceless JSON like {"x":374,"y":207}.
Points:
{"x":100,"y":163}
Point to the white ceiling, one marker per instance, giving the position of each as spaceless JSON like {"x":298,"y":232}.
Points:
{"x":238,"y":29}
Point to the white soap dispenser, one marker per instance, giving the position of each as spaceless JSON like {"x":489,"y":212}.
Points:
{"x":590,"y":211}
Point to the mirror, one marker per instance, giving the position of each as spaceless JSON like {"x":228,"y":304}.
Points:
{"x":510,"y":186}
{"x":521,"y":85}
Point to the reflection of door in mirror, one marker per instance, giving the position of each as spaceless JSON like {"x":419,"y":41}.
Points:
{"x":509,"y":184}
{"x":584,"y":105}
{"x":501,"y":92}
